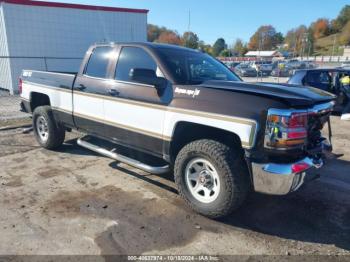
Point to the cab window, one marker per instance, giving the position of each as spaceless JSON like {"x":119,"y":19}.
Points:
{"x":133,"y":57}
{"x":98,"y":62}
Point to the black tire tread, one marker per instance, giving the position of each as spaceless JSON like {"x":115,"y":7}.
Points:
{"x":226,"y":158}
{"x":56,"y":131}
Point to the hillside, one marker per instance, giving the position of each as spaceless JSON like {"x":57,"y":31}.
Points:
{"x":324,"y":45}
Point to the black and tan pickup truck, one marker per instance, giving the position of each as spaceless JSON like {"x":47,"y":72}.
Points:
{"x":163,"y":108}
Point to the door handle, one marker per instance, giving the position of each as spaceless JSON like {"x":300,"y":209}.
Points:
{"x":81,"y":87}
{"x":113,"y":92}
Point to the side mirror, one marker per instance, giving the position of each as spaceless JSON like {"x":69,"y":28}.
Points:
{"x":148,"y":77}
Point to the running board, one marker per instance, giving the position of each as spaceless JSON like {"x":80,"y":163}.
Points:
{"x":131,"y":162}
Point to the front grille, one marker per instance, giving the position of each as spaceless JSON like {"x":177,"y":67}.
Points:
{"x":316,"y":121}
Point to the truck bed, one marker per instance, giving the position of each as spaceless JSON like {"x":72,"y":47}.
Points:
{"x":49,"y":78}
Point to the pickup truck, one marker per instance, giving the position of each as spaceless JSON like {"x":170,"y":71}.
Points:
{"x":163,"y":108}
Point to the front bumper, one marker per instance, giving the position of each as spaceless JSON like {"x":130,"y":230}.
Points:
{"x":281,"y":179}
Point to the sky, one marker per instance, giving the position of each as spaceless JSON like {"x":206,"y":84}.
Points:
{"x":230,"y":19}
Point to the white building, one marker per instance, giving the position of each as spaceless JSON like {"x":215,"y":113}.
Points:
{"x":347,"y":52}
{"x":263,"y":54}
{"x":55,"y":36}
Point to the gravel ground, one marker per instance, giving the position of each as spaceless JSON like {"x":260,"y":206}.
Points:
{"x":9,"y":107}
{"x":74,"y":202}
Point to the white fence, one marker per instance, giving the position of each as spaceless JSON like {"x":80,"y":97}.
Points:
{"x":325,"y":59}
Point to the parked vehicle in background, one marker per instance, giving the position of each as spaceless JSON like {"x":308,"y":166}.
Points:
{"x":324,"y":79}
{"x":264,"y":68}
{"x":346,"y":64}
{"x":307,"y":65}
{"x":245,"y":70}
{"x":163,"y":108}
{"x":293,"y":63}
{"x":284,"y":71}
{"x":233,"y":65}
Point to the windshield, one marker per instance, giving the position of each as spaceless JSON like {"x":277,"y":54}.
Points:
{"x":193,"y":68}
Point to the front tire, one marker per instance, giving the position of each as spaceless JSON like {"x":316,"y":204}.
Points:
{"x":48,"y":133}
{"x":212,"y":177}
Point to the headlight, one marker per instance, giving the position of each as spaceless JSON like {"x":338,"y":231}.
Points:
{"x":285,"y":129}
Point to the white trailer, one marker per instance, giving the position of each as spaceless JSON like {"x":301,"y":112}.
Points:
{"x":54,"y":36}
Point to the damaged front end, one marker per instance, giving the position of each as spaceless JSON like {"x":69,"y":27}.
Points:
{"x":291,"y":131}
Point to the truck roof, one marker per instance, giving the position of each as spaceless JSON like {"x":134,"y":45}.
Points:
{"x":149,"y":45}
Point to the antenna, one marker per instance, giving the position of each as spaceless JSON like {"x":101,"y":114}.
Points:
{"x":132,"y":32}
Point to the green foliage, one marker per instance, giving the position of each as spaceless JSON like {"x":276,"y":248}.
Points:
{"x":225,"y":53}
{"x":298,"y":39}
{"x":342,"y":19}
{"x":344,"y":38}
{"x":205,"y":48}
{"x":265,"y":38}
{"x":153,"y":32}
{"x":219,"y":46}
{"x":279,"y":38}
{"x":190,"y":40}
{"x":239,"y":48}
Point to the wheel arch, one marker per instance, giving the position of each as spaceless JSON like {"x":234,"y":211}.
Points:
{"x":38,"y":99}
{"x":183,"y":134}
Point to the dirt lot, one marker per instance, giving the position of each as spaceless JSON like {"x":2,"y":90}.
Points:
{"x":75,"y":202}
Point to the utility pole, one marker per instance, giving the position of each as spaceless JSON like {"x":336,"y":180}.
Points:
{"x":189,"y":20}
{"x":309,"y":43}
{"x":303,"y":47}
{"x":295,"y":45}
{"x":335,"y":38}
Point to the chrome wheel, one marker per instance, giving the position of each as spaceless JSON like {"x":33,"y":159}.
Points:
{"x":202,"y":180}
{"x":42,"y":128}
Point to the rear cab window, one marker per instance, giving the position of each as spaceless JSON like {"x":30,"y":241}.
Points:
{"x":98,"y":62}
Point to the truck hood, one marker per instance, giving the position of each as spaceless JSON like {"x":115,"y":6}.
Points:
{"x":293,"y":95}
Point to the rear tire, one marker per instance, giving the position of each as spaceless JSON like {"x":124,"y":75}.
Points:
{"x":212,"y":177}
{"x":47,"y":131}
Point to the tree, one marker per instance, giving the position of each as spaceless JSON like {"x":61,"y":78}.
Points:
{"x":279,"y":38}
{"x":342,"y":19}
{"x":218,"y":46}
{"x":205,"y":47}
{"x":239,"y":48}
{"x":320,"y":28}
{"x":345,"y":35}
{"x":190,"y":40}
{"x":153,"y":32}
{"x":169,"y":37}
{"x":299,"y":40}
{"x":265,"y":38}
{"x":225,"y":53}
